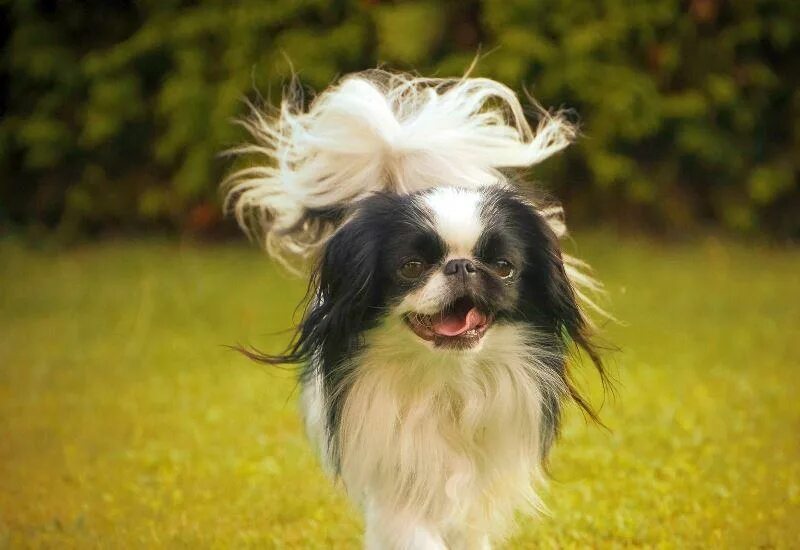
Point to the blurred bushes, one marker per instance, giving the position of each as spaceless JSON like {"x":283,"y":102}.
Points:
{"x":114,"y":111}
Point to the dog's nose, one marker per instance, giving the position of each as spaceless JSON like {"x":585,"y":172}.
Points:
{"x":461,"y":267}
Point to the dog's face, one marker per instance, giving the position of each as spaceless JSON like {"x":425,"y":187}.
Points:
{"x":455,"y":268}
{"x":449,"y":263}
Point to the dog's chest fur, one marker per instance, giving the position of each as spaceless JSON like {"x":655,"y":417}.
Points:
{"x":445,"y":439}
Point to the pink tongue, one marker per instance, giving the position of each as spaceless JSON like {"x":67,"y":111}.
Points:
{"x":453,"y":325}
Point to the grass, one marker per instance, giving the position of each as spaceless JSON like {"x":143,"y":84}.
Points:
{"x":125,"y":423}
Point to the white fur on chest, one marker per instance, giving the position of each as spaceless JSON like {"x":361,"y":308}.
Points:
{"x":448,"y":440}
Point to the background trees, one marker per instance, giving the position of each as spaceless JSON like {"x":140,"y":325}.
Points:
{"x":114,"y":111}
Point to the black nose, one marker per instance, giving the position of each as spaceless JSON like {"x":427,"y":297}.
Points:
{"x":459,"y":267}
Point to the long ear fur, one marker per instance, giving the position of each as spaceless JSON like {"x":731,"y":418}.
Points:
{"x":574,"y":324}
{"x":344,"y":300}
{"x":557,"y":287}
{"x":377,"y":131}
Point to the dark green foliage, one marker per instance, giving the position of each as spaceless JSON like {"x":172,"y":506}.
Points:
{"x":114,"y":112}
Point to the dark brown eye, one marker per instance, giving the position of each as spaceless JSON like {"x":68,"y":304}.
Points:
{"x":503,"y":268}
{"x":412,"y":269}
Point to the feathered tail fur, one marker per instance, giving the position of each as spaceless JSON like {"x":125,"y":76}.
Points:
{"x":377,"y":131}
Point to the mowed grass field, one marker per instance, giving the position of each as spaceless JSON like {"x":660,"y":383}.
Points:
{"x":125,"y":423}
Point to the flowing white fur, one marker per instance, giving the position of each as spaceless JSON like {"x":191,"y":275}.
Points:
{"x":441,"y":447}
{"x":378,"y":131}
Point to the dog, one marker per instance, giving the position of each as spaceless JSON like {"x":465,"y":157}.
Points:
{"x":434,"y":347}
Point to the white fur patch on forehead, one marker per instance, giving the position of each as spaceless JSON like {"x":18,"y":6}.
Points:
{"x":456,"y":217}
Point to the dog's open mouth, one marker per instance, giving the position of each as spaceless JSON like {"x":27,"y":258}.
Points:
{"x":460,"y":325}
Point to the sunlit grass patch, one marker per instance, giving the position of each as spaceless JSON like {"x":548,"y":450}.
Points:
{"x":124,"y":421}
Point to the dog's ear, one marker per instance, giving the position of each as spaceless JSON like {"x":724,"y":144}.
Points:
{"x":572,"y":323}
{"x":349,"y":292}
{"x":550,"y":298}
{"x":348,"y":302}
{"x":343,"y":300}
{"x":545,"y":282}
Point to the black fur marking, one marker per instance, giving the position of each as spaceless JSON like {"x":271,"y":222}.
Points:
{"x":546,"y":300}
{"x":349,"y":291}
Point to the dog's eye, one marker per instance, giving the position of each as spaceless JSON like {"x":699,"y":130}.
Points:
{"x":412,"y":269}
{"x":503,"y":268}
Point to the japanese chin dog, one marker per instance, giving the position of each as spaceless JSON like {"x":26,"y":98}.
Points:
{"x":435,"y":343}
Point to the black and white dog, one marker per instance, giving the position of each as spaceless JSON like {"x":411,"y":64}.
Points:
{"x":441,"y":313}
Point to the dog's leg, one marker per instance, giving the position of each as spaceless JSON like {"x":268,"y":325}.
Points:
{"x":386,"y":531}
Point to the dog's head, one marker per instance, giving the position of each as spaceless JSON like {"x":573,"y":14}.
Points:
{"x":450,"y":263}
{"x":398,"y":187}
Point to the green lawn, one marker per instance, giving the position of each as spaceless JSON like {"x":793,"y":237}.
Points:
{"x":125,"y":423}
